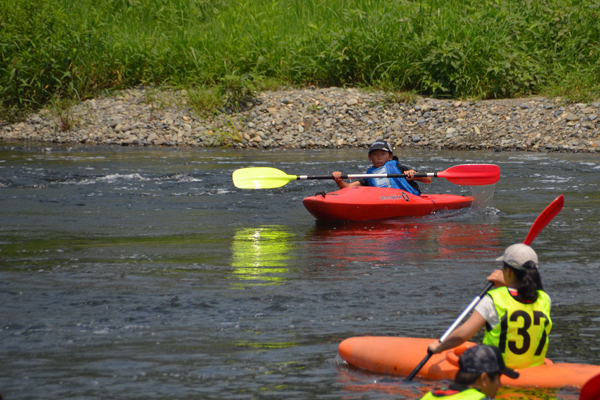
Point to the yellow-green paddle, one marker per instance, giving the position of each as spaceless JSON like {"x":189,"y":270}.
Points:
{"x":261,"y":178}
{"x":271,"y":178}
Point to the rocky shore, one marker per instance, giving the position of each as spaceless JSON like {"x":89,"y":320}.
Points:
{"x":320,"y":118}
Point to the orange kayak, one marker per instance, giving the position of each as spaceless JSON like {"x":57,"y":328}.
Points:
{"x":363,"y":203}
{"x":400,"y":355}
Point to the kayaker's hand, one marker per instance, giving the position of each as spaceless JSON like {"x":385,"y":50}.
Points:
{"x":410,"y":176}
{"x":337,"y":176}
{"x":497,"y":277}
{"x":433,"y":348}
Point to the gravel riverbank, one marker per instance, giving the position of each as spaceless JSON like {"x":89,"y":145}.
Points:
{"x":321,"y":118}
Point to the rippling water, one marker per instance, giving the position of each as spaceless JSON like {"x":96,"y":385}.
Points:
{"x":144,"y":273}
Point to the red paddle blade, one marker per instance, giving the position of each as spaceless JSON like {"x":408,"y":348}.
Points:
{"x":472,"y":174}
{"x":544,"y":218}
{"x":591,"y":389}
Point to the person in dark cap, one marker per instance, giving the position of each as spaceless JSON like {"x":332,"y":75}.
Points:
{"x":384,"y":162}
{"x":478,"y":376}
{"x":516,"y":313}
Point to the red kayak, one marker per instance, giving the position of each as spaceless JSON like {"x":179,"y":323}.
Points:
{"x":362,"y":203}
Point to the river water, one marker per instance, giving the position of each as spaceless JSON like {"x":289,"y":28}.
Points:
{"x":144,"y":273}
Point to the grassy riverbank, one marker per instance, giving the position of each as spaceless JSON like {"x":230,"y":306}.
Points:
{"x":219,"y":49}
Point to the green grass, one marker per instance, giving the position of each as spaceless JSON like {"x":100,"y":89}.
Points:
{"x":462,"y":48}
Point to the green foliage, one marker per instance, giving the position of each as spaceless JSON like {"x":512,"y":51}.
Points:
{"x":237,"y":91}
{"x":61,"y":108}
{"x":232,"y":93}
{"x":400,"y":97}
{"x":459,"y":48}
{"x":203,"y":101}
{"x":225,"y":137}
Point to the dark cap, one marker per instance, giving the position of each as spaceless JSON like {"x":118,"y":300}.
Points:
{"x":380,"y":145}
{"x":483,"y":358}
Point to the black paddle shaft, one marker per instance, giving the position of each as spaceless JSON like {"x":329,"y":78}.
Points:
{"x":359,"y":176}
{"x":467,"y":310}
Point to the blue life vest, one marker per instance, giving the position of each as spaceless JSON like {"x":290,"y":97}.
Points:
{"x":390,"y":167}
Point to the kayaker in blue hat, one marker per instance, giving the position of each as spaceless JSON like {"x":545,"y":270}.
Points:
{"x":384,"y":162}
{"x":478,"y":376}
{"x":516,"y":313}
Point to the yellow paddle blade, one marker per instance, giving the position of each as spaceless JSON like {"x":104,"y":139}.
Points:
{"x":261,"y":178}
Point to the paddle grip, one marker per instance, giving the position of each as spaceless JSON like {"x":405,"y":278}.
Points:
{"x":485,"y":289}
{"x":418,"y":367}
{"x":417,"y":175}
{"x":360,"y":176}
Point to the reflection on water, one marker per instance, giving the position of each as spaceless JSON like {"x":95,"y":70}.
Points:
{"x":394,"y":241}
{"x":260,"y":255}
{"x":353,"y":381}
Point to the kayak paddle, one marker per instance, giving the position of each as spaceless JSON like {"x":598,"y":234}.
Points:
{"x":458,"y":320}
{"x":538,"y":225}
{"x":544,"y":218}
{"x":591,"y":389}
{"x":270,"y":178}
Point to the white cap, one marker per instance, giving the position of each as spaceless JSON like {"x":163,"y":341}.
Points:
{"x":518,"y":254}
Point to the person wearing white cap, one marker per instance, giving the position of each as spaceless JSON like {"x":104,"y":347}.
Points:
{"x":516,"y":313}
{"x":384,"y":162}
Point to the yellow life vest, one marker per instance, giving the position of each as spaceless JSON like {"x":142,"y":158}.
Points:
{"x":522,"y":334}
{"x":468,"y":394}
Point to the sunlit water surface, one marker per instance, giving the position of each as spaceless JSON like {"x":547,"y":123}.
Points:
{"x":144,"y":273}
